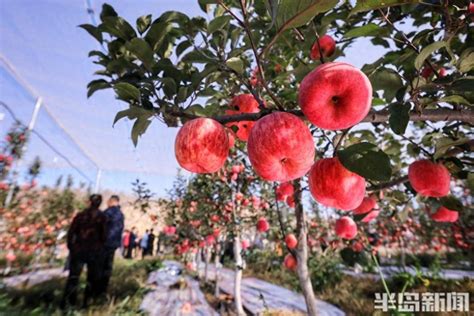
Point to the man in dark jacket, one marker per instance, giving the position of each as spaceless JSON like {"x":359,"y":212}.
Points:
{"x":115,"y":223}
{"x":151,"y":242}
{"x":85,"y":241}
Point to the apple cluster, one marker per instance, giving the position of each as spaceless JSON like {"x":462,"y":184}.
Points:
{"x":334,"y":96}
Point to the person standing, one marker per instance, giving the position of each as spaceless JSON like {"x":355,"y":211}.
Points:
{"x":85,"y":240}
{"x":151,"y":242}
{"x":115,"y":223}
{"x":125,"y":242}
{"x":132,"y":239}
{"x":144,"y":244}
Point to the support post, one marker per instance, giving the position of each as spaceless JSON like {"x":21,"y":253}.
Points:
{"x":97,"y":181}
{"x":16,"y":168}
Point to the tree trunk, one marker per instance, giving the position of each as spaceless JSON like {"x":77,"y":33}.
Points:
{"x":206,"y":264}
{"x":217,"y":267}
{"x":302,"y":252}
{"x":197,"y":258}
{"x":238,"y":275}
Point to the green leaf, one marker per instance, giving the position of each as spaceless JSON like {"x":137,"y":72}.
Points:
{"x":107,"y":11}
{"x":140,"y":48}
{"x":370,"y":29}
{"x":218,"y":23}
{"x":456,"y":99}
{"x":399,"y":117}
{"x":139,"y":128}
{"x":236,"y":64}
{"x":466,"y":60}
{"x":367,"y":5}
{"x":200,"y":57}
{"x":182,"y":47}
{"x":169,"y":86}
{"x":295,"y":13}
{"x":126,"y":91}
{"x":132,"y":113}
{"x":426,"y":52}
{"x":446,"y":143}
{"x":452,"y":203}
{"x":463,"y":84}
{"x":95,"y":85}
{"x":118,"y":27}
{"x":203,"y":4}
{"x":196,"y":110}
{"x":366,"y":160}
{"x":157,"y":33}
{"x":387,"y":80}
{"x":93,"y":30}
{"x":143,"y":23}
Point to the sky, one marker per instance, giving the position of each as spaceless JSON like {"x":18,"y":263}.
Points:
{"x":44,"y":54}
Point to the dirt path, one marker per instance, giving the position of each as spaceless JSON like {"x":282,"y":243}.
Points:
{"x":259,"y":296}
{"x":174,"y":294}
{"x":26,"y":280}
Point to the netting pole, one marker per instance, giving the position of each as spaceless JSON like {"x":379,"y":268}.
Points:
{"x":97,"y":181}
{"x":31,"y":126}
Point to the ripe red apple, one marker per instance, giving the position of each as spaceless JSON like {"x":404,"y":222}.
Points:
{"x":291,"y":241}
{"x":428,"y":72}
{"x":333,"y":185}
{"x":10,"y":256}
{"x":290,"y":262}
{"x":429,"y":178}
{"x":245,"y":244}
{"x":284,"y":190}
{"x":335,"y":96}
{"x":281,"y":147}
{"x":446,"y":215}
{"x":371,"y":216}
{"x":202,"y":146}
{"x":325,"y":45}
{"x":368,"y":204}
{"x":290,"y":201}
{"x":243,"y":103}
{"x":262,"y":225}
{"x":346,"y":228}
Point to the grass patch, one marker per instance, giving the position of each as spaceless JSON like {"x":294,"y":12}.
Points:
{"x":126,"y":290}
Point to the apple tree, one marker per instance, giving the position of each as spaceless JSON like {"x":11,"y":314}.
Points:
{"x":268,"y":74}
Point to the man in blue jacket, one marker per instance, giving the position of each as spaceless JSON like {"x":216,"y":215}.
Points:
{"x":115,"y":224}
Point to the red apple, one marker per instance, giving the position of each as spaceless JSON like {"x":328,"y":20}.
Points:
{"x":371,"y":216}
{"x":281,"y":147}
{"x":284,"y":190}
{"x":245,"y":244}
{"x":202,"y":146}
{"x":230,"y":135}
{"x":335,"y":96}
{"x":262,"y":225}
{"x":444,"y":214}
{"x":290,"y":262}
{"x":346,"y":228}
{"x":325,"y":45}
{"x":429,"y":178}
{"x":368,"y":203}
{"x":291,"y":241}
{"x":333,"y":185}
{"x":290,"y":201}
{"x":10,"y":256}
{"x":244,"y":103}
{"x":427,"y":72}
